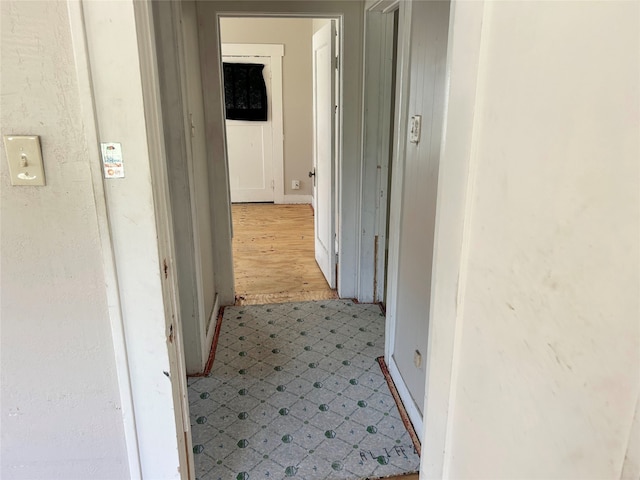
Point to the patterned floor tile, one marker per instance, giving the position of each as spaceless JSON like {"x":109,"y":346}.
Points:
{"x":295,"y":392}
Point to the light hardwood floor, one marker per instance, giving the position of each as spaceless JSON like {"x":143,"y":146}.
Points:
{"x":273,"y":255}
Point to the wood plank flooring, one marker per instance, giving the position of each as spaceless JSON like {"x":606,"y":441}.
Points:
{"x":273,"y":255}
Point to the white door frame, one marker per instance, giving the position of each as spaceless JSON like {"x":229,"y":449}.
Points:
{"x":140,"y":275}
{"x":325,"y":244}
{"x":338,"y":144}
{"x":164,"y":225}
{"x":381,"y":29}
{"x":349,"y":16}
{"x":455,"y":185}
{"x":377,"y":141}
{"x":275,"y":52}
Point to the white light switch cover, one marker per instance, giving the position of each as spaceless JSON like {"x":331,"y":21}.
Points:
{"x":25,"y":159}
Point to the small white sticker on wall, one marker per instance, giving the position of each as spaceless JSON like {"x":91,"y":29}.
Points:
{"x":112,"y":160}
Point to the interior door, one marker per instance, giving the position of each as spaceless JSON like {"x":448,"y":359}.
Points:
{"x":249,"y":148}
{"x":324,"y":111}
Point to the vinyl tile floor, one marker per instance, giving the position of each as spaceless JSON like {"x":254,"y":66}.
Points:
{"x":295,"y":391}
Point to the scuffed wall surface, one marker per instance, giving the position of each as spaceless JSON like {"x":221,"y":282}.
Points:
{"x":60,"y":409}
{"x":549,"y":364}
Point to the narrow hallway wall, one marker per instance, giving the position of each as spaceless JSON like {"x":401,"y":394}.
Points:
{"x":546,"y":367}
{"x":61,"y":409}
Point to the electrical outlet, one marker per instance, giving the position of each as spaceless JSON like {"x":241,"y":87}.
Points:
{"x":295,"y":184}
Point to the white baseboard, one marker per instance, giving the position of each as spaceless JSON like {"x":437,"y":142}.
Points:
{"x":410,"y":406}
{"x":287,"y":199}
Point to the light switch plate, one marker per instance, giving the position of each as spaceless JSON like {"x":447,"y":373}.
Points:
{"x":25,"y":159}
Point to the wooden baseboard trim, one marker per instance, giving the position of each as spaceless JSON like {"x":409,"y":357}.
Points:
{"x":396,"y":397}
{"x":214,"y":345}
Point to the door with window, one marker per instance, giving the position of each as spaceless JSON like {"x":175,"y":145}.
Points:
{"x":249,"y":145}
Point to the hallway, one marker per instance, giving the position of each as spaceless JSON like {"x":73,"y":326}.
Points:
{"x":273,"y":255}
{"x":295,"y":391}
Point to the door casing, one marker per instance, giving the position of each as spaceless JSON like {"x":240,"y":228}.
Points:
{"x":349,"y":18}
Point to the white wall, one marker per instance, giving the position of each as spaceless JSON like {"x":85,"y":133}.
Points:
{"x":544,"y":322}
{"x":62,"y":416}
{"x":295,"y":34}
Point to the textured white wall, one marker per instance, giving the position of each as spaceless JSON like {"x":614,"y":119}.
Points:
{"x":295,"y":34}
{"x":61,"y":413}
{"x":547,"y":364}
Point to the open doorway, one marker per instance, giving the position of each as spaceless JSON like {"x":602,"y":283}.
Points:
{"x":323,"y":353}
{"x":295,"y":388}
{"x":280,"y":85}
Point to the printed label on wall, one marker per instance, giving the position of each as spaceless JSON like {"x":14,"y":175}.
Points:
{"x":112,"y":160}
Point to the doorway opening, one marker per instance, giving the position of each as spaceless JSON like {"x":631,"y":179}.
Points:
{"x":280,"y":86}
{"x":307,"y":322}
{"x":295,"y":388}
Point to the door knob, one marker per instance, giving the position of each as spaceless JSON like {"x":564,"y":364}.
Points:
{"x":312,"y":174}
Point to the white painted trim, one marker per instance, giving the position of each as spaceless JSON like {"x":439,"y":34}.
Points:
{"x":88,"y":113}
{"x":164,"y":225}
{"x":451,"y":237}
{"x":275,"y":53}
{"x":325,"y":245}
{"x":195,"y":252}
{"x":408,"y":402}
{"x":384,"y":6}
{"x":209,"y":55}
{"x":349,"y":15}
{"x":290,"y":199}
{"x":399,"y":141}
{"x":377,"y":98}
{"x":344,"y":235}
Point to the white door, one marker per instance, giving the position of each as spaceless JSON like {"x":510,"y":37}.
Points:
{"x":324,"y":101}
{"x":249,"y":148}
